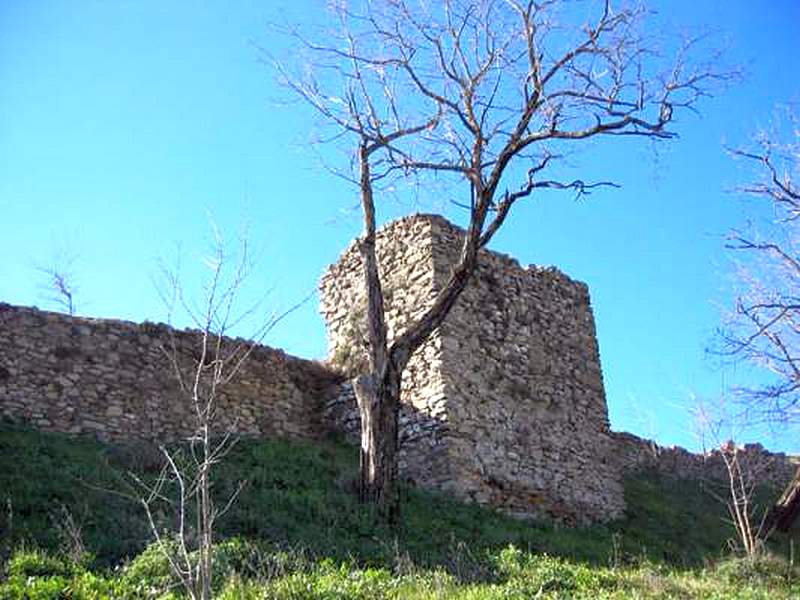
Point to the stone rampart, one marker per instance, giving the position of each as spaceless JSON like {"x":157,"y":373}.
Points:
{"x":114,"y":379}
{"x":505,"y":400}
{"x":503,"y":405}
{"x":757,"y":463}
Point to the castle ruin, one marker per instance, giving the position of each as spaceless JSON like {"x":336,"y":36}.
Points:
{"x":504,"y":405}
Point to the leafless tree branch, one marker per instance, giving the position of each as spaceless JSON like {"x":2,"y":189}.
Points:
{"x":204,"y":362}
{"x":475,"y":92}
{"x":764,"y":326}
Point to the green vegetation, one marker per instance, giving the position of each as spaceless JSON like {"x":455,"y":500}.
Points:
{"x":71,"y":528}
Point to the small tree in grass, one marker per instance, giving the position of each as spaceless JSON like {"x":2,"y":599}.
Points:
{"x":202,"y":374}
{"x":58,"y":284}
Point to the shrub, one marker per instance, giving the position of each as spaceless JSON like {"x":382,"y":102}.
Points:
{"x":150,"y":573}
{"x":34,"y":588}
{"x":36,"y":563}
{"x":336,"y":581}
{"x":90,"y":586}
{"x":763,"y":569}
{"x":509,"y":563}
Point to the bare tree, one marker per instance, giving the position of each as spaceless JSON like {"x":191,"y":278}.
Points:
{"x":764,"y":327}
{"x":486,"y":97}
{"x":204,"y":361}
{"x":58,"y":285}
{"x":751,"y":532}
{"x":741,"y":480}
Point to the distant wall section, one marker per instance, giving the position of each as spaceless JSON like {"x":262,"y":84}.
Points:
{"x":633,"y":454}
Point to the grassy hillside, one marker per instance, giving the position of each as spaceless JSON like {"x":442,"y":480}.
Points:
{"x":297,"y":523}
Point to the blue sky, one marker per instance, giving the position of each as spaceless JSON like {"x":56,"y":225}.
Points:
{"x":123,"y":125}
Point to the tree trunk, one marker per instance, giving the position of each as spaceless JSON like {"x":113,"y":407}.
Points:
{"x":786,"y":510}
{"x":378,"y":403}
{"x":377,"y":392}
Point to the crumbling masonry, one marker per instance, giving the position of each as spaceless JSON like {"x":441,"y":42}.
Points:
{"x":504,"y":404}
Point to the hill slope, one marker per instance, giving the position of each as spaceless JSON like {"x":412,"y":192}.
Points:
{"x":298,"y":498}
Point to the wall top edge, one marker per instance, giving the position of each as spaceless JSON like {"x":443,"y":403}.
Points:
{"x":439,"y":225}
{"x":150,"y":328}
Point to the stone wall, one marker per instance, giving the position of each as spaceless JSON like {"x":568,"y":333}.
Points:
{"x":505,"y":401}
{"x":503,"y":405}
{"x":522,"y":367}
{"x":634,"y":454}
{"x":112,"y":379}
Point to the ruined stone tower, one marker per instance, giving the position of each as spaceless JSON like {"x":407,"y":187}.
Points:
{"x":504,"y":404}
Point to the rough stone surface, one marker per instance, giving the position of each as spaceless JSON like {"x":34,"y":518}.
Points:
{"x":504,"y":405}
{"x":505,"y":402}
{"x":112,"y":379}
{"x":758,"y":464}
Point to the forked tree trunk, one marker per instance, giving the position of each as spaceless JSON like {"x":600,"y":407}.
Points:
{"x":378,"y":391}
{"x":378,"y":402}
